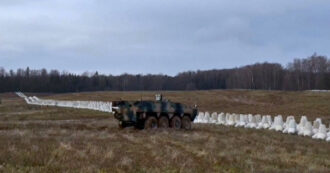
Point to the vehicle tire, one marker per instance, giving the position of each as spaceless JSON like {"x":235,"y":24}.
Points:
{"x":163,"y":122}
{"x":151,"y":123}
{"x":186,"y":123}
{"x":176,"y":122}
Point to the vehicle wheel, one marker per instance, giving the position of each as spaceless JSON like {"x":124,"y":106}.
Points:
{"x":176,"y":122}
{"x":186,"y":123}
{"x":151,"y":123}
{"x":163,"y":122}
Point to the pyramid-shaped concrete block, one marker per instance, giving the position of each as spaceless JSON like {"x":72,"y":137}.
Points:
{"x":316,"y":125}
{"x":262,"y":122}
{"x":292,"y":129}
{"x":231,"y":120}
{"x":322,"y":133}
{"x":308,"y":129}
{"x":207,"y":118}
{"x":221,"y":119}
{"x":287,"y":123}
{"x":301,"y":125}
{"x":199,"y":117}
{"x":214,"y":118}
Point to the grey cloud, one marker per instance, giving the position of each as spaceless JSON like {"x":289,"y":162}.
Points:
{"x":149,"y":36}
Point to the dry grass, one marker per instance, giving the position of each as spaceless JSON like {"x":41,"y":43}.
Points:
{"x":48,"y":139}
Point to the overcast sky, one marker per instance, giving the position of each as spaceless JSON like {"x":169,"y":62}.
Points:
{"x":159,"y":36}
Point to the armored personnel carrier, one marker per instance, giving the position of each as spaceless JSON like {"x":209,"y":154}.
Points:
{"x":160,"y":113}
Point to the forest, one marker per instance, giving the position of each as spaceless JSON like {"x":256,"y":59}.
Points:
{"x":311,"y":73}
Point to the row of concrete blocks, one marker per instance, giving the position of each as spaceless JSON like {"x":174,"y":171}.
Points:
{"x":92,"y":105}
{"x":317,"y":130}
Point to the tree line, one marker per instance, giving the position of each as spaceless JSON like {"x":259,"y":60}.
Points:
{"x":301,"y":74}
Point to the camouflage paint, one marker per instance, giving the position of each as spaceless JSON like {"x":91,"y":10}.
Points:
{"x":132,"y":111}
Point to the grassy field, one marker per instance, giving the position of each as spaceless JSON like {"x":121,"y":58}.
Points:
{"x":49,"y":139}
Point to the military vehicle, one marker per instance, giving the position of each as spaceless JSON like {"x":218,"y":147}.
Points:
{"x":160,"y":113}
